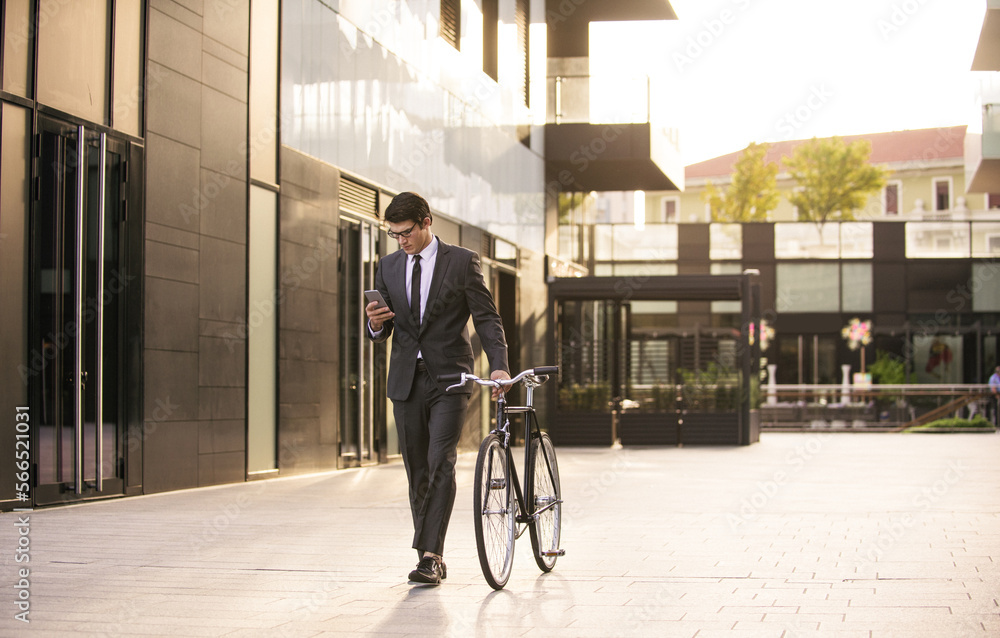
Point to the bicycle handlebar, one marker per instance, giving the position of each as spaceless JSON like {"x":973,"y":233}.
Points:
{"x":462,"y":377}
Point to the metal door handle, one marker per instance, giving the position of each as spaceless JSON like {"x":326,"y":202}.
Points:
{"x":81,"y":166}
{"x":102,"y":165}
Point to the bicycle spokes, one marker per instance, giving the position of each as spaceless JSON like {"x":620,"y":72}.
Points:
{"x":503,"y":506}
{"x":495,"y":512}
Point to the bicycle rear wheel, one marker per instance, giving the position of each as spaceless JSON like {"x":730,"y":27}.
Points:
{"x":545,"y":496}
{"x":495,"y":512}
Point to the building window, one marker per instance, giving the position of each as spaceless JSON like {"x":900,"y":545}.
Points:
{"x":725,"y":242}
{"x":727,"y":268}
{"x":576,"y":229}
{"x":890,"y":197}
{"x":942,"y":193}
{"x":808,"y":287}
{"x":856,"y":287}
{"x":451,"y":22}
{"x":985,"y":298}
{"x":936,"y":240}
{"x":993,"y":200}
{"x":625,"y":242}
{"x":491,"y":20}
{"x":671,"y":207}
{"x":819,"y":287}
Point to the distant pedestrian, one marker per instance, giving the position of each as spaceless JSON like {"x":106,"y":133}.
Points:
{"x":995,"y":395}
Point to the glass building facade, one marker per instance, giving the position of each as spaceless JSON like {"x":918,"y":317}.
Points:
{"x":192,"y":199}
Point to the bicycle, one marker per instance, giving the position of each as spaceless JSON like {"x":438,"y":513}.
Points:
{"x":500,"y":505}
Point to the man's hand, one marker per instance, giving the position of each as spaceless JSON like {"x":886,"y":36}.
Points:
{"x":502,"y":376}
{"x":378,"y":317}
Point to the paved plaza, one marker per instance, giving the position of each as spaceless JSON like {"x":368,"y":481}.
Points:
{"x":803,"y":534}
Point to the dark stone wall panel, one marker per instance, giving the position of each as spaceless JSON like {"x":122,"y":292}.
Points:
{"x":309,"y":333}
{"x":223,"y":280}
{"x":195,"y":254}
{"x":173,"y":183}
{"x":179,"y":48}
{"x":171,"y":315}
{"x":173,"y":106}
{"x":174,"y":463}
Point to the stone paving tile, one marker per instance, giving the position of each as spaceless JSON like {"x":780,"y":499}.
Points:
{"x":327,"y":555}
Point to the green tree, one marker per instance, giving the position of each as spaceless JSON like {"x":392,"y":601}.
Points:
{"x":835,"y":178}
{"x":752,"y":194}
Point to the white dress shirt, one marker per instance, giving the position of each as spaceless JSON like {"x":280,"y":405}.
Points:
{"x":428,"y":257}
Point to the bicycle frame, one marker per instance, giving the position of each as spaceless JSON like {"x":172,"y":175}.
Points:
{"x":502,"y":430}
{"x":535,"y":506}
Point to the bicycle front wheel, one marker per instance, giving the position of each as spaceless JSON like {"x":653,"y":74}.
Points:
{"x":546,"y":502}
{"x":495,"y":511}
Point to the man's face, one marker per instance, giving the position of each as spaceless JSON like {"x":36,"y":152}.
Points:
{"x":412,"y":236}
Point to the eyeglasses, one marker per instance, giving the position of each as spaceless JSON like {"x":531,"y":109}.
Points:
{"x":405,"y":233}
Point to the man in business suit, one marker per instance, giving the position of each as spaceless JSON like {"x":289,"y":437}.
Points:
{"x":431,"y":289}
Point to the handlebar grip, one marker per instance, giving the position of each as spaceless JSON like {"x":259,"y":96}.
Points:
{"x":448,"y":378}
{"x":541,"y":370}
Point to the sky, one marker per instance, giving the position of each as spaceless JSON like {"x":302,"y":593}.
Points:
{"x":731,"y":72}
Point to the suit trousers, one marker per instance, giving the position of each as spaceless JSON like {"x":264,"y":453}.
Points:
{"x":429,"y":423}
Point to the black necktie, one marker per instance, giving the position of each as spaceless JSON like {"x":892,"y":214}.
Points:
{"x":415,"y":290}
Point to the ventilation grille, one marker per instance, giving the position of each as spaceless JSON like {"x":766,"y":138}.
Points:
{"x":486,"y":246}
{"x":521,"y":16}
{"x":358,"y":199}
{"x":451,"y":21}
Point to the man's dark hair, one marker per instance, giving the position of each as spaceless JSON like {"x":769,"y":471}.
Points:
{"x":407,"y":207}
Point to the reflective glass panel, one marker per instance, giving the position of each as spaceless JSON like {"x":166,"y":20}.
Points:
{"x":856,"y":287}
{"x":985,"y":286}
{"x":649,"y":242}
{"x":800,"y":240}
{"x":856,"y":240}
{"x":72,"y":58}
{"x":127,"y":104}
{"x":808,"y":288}
{"x":726,"y":241}
{"x":986,"y":239}
{"x":262,"y":362}
{"x":17,"y":46}
{"x":937,"y":240}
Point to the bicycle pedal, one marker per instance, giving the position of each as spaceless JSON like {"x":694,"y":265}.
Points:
{"x":498,"y":484}
{"x":554,"y":552}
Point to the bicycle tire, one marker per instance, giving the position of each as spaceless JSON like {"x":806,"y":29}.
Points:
{"x":545,"y":490}
{"x":495,"y":512}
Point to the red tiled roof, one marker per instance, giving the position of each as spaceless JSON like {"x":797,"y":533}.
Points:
{"x":887,"y":148}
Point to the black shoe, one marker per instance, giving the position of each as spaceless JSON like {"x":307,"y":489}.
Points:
{"x":429,"y":570}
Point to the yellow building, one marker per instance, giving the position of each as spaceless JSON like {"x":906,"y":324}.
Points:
{"x":927,"y":177}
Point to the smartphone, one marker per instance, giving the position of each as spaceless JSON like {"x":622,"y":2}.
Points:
{"x":374,"y":295}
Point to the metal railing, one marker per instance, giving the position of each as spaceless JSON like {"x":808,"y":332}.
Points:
{"x":599,"y":99}
{"x":874,"y":406}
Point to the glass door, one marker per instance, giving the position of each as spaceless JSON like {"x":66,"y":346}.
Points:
{"x":77,"y":307}
{"x":359,"y":409}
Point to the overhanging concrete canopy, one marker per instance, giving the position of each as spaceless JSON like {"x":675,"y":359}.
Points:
{"x":676,"y":288}
{"x":987,"y":56}
{"x":569,"y":20}
{"x":611,"y":157}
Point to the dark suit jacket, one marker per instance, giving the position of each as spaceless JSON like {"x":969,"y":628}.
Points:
{"x":457,"y":292}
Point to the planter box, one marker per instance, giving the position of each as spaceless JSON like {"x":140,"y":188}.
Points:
{"x":579,"y":428}
{"x":711,"y":429}
{"x":648,"y":428}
